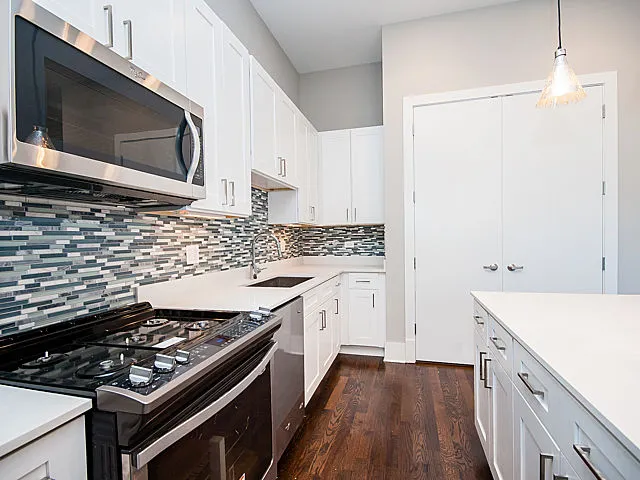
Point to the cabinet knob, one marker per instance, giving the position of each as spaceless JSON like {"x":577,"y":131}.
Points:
{"x":493,"y":267}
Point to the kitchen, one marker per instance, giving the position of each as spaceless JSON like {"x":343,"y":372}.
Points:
{"x":212,"y":207}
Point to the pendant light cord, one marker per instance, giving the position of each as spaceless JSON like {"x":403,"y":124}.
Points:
{"x":559,"y":26}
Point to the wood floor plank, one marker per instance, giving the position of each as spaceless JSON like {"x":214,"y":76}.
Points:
{"x":371,"y":420}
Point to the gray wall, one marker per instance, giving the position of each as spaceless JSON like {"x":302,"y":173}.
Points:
{"x":246,"y":24}
{"x":508,"y":44}
{"x":343,"y":98}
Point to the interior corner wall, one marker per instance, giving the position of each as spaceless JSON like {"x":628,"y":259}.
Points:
{"x":505,"y":44}
{"x":246,"y":24}
{"x":342,"y":98}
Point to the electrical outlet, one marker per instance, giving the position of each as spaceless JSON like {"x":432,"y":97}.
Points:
{"x":349,"y":244}
{"x":193,"y":254}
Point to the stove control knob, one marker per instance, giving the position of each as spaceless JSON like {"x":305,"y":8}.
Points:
{"x":164,"y":363}
{"x":140,"y":376}
{"x":182,"y":357}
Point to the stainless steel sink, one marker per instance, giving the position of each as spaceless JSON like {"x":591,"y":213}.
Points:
{"x":281,"y":282}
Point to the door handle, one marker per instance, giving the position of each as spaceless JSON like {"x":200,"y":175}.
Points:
{"x":197,"y":147}
{"x":279,"y":166}
{"x":482,"y":354}
{"x":284,"y":160}
{"x":544,"y":458}
{"x":355,"y":214}
{"x":337,"y":306}
{"x":347,"y":214}
{"x":486,"y":373}
{"x":493,"y":267}
{"x":129,"y":27}
{"x":373,"y":296}
{"x":233,"y":193}
{"x":109,"y":10}
{"x":225,"y":187}
{"x":513,"y":267}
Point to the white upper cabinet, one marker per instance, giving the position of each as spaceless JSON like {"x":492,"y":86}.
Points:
{"x":352,"y":178}
{"x":313,"y":174}
{"x":90,"y":17}
{"x":264,"y":92}
{"x":302,"y":160}
{"x":367,"y":175}
{"x":286,"y":141}
{"x":335,"y":177}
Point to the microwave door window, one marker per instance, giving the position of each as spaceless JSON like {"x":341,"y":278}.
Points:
{"x":93,"y":111}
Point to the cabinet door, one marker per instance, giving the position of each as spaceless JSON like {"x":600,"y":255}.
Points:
{"x":501,"y":421}
{"x":482,"y":396}
{"x":552,"y":181}
{"x":364,"y":328}
{"x":302,"y":168}
{"x":88,"y":16}
{"x":154,"y":37}
{"x":263,"y":121}
{"x":313,"y":174}
{"x":311,"y":354}
{"x":335,"y":177}
{"x":203,"y":39}
{"x":536,"y":454}
{"x":367,"y":175}
{"x":285,"y":138}
{"x":234,"y":161}
{"x":326,"y":338}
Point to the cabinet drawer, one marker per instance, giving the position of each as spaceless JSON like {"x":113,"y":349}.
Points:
{"x":319,"y":294}
{"x":501,"y":345}
{"x":480,"y":320}
{"x":589,"y":446}
{"x":544,"y":394}
{"x":364,"y":281}
{"x":289,"y":427}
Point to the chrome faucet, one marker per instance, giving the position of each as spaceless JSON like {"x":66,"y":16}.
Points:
{"x":254,"y":268}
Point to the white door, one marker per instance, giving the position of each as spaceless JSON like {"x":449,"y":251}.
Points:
{"x":367,"y":175}
{"x":536,"y":456}
{"x":234,"y":160}
{"x":88,"y":16}
{"x":553,"y":160}
{"x":263,"y":121}
{"x":364,"y":328}
{"x":203,"y":39}
{"x":335,"y":184}
{"x":311,"y":354}
{"x":482,"y":395}
{"x":153,"y":36}
{"x":313,"y":173}
{"x":285,"y":138}
{"x":302,"y":167}
{"x":457,"y":161}
{"x":501,"y":421}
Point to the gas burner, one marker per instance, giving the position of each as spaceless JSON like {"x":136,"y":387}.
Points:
{"x":45,"y":360}
{"x":199,"y":326}
{"x":105,"y":368}
{"x":136,"y":339}
{"x":155,"y":322}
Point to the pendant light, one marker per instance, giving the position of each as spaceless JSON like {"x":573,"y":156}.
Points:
{"x":562,"y":86}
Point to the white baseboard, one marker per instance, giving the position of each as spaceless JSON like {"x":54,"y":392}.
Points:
{"x":410,"y":350}
{"x":366,"y":351}
{"x":394,"y":352}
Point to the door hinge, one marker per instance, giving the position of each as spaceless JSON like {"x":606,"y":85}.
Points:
{"x":604,"y":111}
{"x":604,"y":188}
{"x":604,"y":264}
{"x":414,"y":263}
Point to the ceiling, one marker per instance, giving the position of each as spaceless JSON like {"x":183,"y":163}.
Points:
{"x":325,"y":34}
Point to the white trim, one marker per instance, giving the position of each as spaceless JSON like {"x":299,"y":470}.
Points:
{"x":394,"y":352}
{"x":365,"y":351}
{"x":609,"y":81}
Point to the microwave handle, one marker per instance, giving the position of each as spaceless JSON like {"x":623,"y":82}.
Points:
{"x":197,"y":147}
{"x":145,"y":456}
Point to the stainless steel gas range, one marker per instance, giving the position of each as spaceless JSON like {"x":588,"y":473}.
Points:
{"x":176,"y":394}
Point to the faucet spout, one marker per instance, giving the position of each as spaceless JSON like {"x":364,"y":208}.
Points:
{"x":255,"y":268}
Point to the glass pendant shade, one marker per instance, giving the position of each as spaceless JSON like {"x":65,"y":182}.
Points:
{"x":562,"y":86}
{"x":40,"y":138}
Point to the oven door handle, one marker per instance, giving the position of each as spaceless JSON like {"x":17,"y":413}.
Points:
{"x":197,"y":147}
{"x":149,"y":453}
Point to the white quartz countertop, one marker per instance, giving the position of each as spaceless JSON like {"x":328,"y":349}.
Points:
{"x":591,"y":343}
{"x":229,"y":291}
{"x":28,"y":414}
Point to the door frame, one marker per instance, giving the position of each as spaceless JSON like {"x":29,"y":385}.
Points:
{"x":609,"y":82}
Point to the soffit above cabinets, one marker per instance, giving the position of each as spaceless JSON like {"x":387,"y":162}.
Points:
{"x":327,"y":34}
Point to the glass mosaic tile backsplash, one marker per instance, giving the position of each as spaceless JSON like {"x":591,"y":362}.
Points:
{"x":60,"y":261}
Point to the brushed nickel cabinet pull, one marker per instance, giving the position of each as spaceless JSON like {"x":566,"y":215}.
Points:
{"x":525,"y":379}
{"x":486,"y":374}
{"x":584,"y":453}
{"x":495,"y":340}
{"x":544,"y":458}
{"x":478,"y":319}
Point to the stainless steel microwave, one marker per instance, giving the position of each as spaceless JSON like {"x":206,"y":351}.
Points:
{"x":81,"y":123}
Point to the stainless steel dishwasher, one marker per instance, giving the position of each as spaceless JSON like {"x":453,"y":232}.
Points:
{"x":287,"y":378}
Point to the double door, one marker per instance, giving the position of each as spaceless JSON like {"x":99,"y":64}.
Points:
{"x":507,"y":198}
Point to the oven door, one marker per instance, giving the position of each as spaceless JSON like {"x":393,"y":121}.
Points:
{"x":229,"y":439}
{"x":106,"y":120}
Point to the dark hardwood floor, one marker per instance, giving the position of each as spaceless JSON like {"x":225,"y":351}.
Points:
{"x":375,"y":420}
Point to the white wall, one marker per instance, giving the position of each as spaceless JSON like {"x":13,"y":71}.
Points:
{"x":343,"y":98}
{"x":246,"y":24}
{"x":508,"y":44}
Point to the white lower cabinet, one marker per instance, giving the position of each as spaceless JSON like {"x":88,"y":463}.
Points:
{"x":60,"y":454}
{"x":311,"y":354}
{"x":482,"y":396}
{"x":365,"y":310}
{"x":501,"y":395}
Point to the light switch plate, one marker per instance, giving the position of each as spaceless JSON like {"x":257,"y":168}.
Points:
{"x":193,"y":254}
{"x":349,"y":244}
